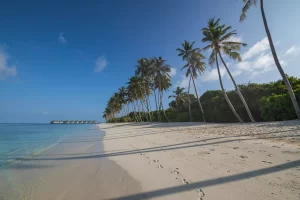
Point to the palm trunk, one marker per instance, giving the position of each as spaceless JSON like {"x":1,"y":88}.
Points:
{"x":225,"y":94}
{"x":161,"y":96}
{"x":285,"y":79}
{"x":198,"y":99}
{"x":146,"y":100}
{"x":190,"y":112}
{"x":162,"y":107}
{"x":238,"y":90}
{"x":156,"y":103}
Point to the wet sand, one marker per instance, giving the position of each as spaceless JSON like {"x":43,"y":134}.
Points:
{"x":72,"y":170}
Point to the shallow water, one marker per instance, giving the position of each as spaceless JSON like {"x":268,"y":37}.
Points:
{"x":25,"y":140}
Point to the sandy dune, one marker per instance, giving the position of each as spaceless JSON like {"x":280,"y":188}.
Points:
{"x":208,"y":161}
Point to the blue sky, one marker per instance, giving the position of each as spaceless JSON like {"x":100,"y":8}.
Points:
{"x":64,"y":59}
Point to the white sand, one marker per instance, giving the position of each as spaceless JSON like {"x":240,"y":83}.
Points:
{"x":208,"y":161}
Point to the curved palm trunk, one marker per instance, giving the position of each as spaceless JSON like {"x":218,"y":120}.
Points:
{"x":198,"y":99}
{"x":238,"y":90}
{"x":225,"y":94}
{"x":285,"y":79}
{"x":190,"y":112}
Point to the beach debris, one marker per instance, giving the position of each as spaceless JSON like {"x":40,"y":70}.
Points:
{"x":242,"y":156}
{"x":201,"y":194}
{"x":267,"y":162}
{"x":160,"y":166}
{"x":184,"y":181}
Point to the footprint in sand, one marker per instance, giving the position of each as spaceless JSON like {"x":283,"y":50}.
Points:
{"x":270,"y":155}
{"x":155,"y":160}
{"x":160,"y":166}
{"x":184,"y":181}
{"x":242,"y":156}
{"x":276,"y":147}
{"x":250,"y":151}
{"x":267,"y":162}
{"x":235,"y":147}
{"x":201,"y":194}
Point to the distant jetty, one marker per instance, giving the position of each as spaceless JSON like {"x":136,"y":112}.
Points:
{"x":73,"y":122}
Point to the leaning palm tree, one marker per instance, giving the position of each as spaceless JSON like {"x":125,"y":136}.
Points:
{"x":178,"y":95}
{"x":248,"y":4}
{"x":160,"y":71}
{"x":186,"y":52}
{"x":218,"y":37}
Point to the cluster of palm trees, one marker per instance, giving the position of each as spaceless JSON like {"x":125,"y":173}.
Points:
{"x":152,"y":75}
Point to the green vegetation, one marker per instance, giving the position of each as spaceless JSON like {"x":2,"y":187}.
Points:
{"x":247,"y":103}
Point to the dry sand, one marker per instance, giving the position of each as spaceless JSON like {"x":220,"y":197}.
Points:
{"x":208,"y":161}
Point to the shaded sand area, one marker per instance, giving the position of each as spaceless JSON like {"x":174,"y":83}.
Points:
{"x":208,"y":161}
{"x":71,"y":170}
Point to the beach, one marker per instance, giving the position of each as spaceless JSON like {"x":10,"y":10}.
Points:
{"x":208,"y":161}
{"x":162,"y":161}
{"x":70,"y":169}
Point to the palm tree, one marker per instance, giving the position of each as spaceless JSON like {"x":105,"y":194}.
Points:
{"x":248,"y":4}
{"x":178,"y":95}
{"x":143,"y":70}
{"x":160,"y":71}
{"x":135,"y":94}
{"x":194,"y":67}
{"x":187,"y":52}
{"x":217,"y":36}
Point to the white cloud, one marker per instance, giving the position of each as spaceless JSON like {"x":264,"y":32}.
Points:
{"x":235,"y":39}
{"x":256,"y":49}
{"x":5,"y":69}
{"x":184,"y":82}
{"x":172,"y":73}
{"x":259,"y":59}
{"x":62,"y":38}
{"x":294,"y":50}
{"x":212,"y":75}
{"x":101,"y":63}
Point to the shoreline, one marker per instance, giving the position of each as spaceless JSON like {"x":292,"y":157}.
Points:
{"x":73,"y":169}
{"x":207,"y":160}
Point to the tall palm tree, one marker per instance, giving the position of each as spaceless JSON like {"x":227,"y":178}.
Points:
{"x":160,"y":71}
{"x":143,"y":70}
{"x":186,"y":53}
{"x":248,"y":4}
{"x":195,"y":67}
{"x":219,"y":39}
{"x":134,"y":91}
{"x":178,"y":95}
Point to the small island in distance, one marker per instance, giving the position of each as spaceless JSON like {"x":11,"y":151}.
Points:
{"x":74,"y":122}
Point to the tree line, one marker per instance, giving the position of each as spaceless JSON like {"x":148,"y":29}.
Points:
{"x":152,"y":78}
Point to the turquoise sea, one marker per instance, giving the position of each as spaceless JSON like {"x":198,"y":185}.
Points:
{"x":25,"y":140}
